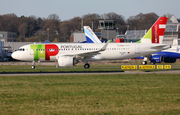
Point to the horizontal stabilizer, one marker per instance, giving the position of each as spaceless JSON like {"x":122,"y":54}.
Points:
{"x":163,"y":46}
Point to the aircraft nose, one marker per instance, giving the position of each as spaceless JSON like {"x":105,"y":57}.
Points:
{"x":14,"y":55}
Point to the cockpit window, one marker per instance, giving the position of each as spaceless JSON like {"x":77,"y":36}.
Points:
{"x":21,"y":49}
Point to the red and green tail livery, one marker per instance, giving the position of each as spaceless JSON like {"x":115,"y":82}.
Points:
{"x":156,"y":32}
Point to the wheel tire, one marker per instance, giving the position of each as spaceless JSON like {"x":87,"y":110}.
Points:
{"x":144,"y":62}
{"x":33,"y":67}
{"x":86,"y":66}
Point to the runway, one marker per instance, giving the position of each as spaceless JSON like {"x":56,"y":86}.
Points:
{"x":90,"y":73}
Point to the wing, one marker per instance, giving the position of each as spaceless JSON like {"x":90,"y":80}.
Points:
{"x":90,"y":53}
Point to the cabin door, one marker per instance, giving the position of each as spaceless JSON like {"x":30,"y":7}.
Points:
{"x":137,"y":49}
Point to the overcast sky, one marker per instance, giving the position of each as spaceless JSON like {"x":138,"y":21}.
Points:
{"x":68,"y":9}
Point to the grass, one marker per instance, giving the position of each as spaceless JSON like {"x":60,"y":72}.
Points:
{"x":78,"y":68}
{"x":155,"y":94}
{"x":48,"y":68}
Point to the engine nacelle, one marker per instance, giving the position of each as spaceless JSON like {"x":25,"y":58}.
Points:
{"x":156,"y":58}
{"x":67,"y":61}
{"x":169,"y":60}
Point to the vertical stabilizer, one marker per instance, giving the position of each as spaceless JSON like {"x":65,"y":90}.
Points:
{"x":90,"y":35}
{"x":156,"y":32}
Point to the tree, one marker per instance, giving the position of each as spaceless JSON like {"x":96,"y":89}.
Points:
{"x":94,"y":16}
{"x":133,"y":21}
{"x":9,"y":22}
{"x":142,"y":21}
{"x":53,"y":17}
{"x":75,"y":23}
{"x":90,"y":19}
{"x":147,"y":21}
{"x":65,"y":31}
{"x":23,"y":29}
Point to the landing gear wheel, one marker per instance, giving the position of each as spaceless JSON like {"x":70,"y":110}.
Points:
{"x":152,"y":63}
{"x":33,"y":67}
{"x":144,"y":62}
{"x":86,"y":66}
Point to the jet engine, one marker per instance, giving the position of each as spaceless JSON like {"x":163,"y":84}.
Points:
{"x":156,"y":58}
{"x":67,"y":61}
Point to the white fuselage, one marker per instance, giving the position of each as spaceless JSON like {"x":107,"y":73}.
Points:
{"x":114,"y":51}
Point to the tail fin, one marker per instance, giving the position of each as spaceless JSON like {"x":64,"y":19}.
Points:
{"x":156,"y":32}
{"x":90,"y":35}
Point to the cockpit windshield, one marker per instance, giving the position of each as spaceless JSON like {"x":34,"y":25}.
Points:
{"x":21,"y":49}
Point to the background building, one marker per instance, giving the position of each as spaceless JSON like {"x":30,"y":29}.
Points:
{"x":78,"y":37}
{"x":134,"y":35}
{"x":172,"y":31}
{"x":108,"y":29}
{"x":8,"y":36}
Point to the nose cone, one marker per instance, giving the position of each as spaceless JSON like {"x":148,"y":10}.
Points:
{"x":15,"y":55}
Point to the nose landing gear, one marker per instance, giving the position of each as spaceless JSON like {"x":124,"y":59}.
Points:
{"x":33,"y":65}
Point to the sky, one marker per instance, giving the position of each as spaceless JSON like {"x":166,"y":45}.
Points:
{"x":68,"y":9}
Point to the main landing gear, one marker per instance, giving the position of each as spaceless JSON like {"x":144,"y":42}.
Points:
{"x":33,"y":65}
{"x":86,"y":65}
{"x":145,"y":61}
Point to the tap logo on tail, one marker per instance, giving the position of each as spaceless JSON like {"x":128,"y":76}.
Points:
{"x":156,"y":32}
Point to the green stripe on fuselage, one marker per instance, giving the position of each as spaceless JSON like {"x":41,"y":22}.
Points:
{"x":39,"y":51}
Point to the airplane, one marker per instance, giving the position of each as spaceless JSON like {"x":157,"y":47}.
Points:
{"x":69,"y":54}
